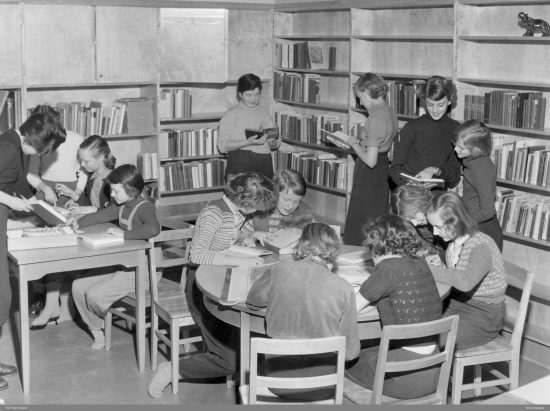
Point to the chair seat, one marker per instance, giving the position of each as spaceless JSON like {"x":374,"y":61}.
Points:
{"x":173,"y":307}
{"x":499,"y":344}
{"x":166,"y":288}
{"x":267,"y":397}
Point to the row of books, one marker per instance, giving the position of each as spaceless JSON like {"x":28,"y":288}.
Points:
{"x":188,"y":143}
{"x":302,"y":88}
{"x":307,"y":128}
{"x":322,"y":169}
{"x":147,"y":164}
{"x":508,"y":108}
{"x":151,"y":191}
{"x":403,"y":96}
{"x":524,"y":214}
{"x":10,"y":109}
{"x":521,"y":160}
{"x":306,"y":55}
{"x":175,"y":103}
{"x":180,"y":175}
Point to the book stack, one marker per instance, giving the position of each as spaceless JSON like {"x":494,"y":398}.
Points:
{"x":43,"y":237}
{"x":179,"y":175}
{"x":307,"y":128}
{"x":188,"y":143}
{"x":403,"y":96}
{"x":508,"y":108}
{"x":147,"y":165}
{"x":139,"y":114}
{"x":175,"y":103}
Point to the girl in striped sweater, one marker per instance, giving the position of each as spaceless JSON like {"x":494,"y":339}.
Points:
{"x":473,"y":267}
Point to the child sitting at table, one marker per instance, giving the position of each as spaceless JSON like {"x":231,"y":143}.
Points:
{"x":290,"y":211}
{"x":93,"y":295}
{"x":305,"y":299}
{"x":394,"y":244}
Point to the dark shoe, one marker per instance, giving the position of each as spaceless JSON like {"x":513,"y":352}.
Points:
{"x":3,"y":384}
{"x":36,"y":307}
{"x":6,"y":369}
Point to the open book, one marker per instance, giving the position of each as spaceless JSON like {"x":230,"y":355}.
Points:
{"x":272,"y":132}
{"x":41,"y":237}
{"x":338,"y":138}
{"x":239,"y":280}
{"x":242,"y":251}
{"x":101,"y":239}
{"x":283,"y":241}
{"x":51,"y":215}
{"x":353,"y":257}
{"x":423,"y":180}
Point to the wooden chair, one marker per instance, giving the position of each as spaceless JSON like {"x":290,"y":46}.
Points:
{"x":448,"y":325}
{"x":168,"y":249}
{"x":500,"y":349}
{"x":258,"y":390}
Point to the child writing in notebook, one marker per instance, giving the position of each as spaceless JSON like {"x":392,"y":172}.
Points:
{"x":399,"y":271}
{"x":137,"y":220}
{"x":305,"y":299}
{"x":473,"y":145}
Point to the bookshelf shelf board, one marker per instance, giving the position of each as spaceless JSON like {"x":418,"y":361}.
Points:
{"x":71,"y":86}
{"x":360,"y":110}
{"x":529,"y":132}
{"x":518,"y":185}
{"x":405,"y":117}
{"x":401,"y":4}
{"x":316,"y":106}
{"x":212,"y":84}
{"x":483,"y":3}
{"x":329,"y":190}
{"x":330,"y":149}
{"x":191,"y":191}
{"x":190,"y":158}
{"x":515,"y":238}
{"x":397,"y":76}
{"x":129,"y":135}
{"x":533,"y":85}
{"x":196,"y":118}
{"x":506,"y":39}
{"x":315,"y":37}
{"x":315,"y":6}
{"x":432,"y":39}
{"x":327,"y":73}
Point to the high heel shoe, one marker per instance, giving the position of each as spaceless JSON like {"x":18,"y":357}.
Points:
{"x":41,"y":321}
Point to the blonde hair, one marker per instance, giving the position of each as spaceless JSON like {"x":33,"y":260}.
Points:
{"x":318,"y":240}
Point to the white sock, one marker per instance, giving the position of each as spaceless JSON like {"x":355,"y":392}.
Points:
{"x":99,"y":339}
{"x":161,"y":379}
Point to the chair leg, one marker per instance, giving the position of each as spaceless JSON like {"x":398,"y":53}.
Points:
{"x":477,"y":379}
{"x":174,"y":355}
{"x":458,"y":375}
{"x":186,"y":334}
{"x":154,"y":339}
{"x":229,"y":382}
{"x":513,"y":366}
{"x":108,"y":322}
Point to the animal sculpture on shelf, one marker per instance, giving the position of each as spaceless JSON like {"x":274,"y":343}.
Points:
{"x":533,"y":25}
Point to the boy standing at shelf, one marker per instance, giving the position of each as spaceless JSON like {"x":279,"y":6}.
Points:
{"x":39,"y":134}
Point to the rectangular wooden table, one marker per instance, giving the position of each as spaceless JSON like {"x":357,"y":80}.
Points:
{"x":28,"y":265}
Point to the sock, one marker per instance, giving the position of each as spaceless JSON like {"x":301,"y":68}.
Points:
{"x":161,"y":379}
{"x":99,"y":339}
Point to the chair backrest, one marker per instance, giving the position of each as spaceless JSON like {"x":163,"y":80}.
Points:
{"x":170,"y":248}
{"x":522,"y":279}
{"x":259,"y":385}
{"x":447,"y":325}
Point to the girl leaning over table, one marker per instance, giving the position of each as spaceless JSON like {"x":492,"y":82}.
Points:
{"x":217,"y":228}
{"x":93,"y":295}
{"x":39,"y":134}
{"x":394,"y":244}
{"x":305,"y":299}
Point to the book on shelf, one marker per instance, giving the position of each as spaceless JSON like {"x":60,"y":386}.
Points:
{"x":4,"y":112}
{"x":257,"y":133}
{"x":180,"y":175}
{"x":332,"y":58}
{"x":41,"y":237}
{"x":423,"y":180}
{"x":315,"y":55}
{"x":101,"y":239}
{"x":147,"y":165}
{"x":238,"y":281}
{"x":338,"y":138}
{"x":188,"y":143}
{"x":283,"y":241}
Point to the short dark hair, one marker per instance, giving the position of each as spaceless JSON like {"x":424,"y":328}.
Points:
{"x":391,"y":234}
{"x":476,"y":136}
{"x":454,"y":214}
{"x":437,"y":88}
{"x":290,"y":180}
{"x":251,"y":190}
{"x":248,"y":82}
{"x":101,"y":148}
{"x":319,"y":240}
{"x":130,"y":178}
{"x":43,"y":132}
{"x":375,"y":84}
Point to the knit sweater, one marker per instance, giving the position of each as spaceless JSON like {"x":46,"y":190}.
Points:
{"x":479,"y":272}
{"x":216,"y":229}
{"x":479,"y":187}
{"x":273,"y":220}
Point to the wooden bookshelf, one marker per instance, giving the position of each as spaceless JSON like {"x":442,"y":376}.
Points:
{"x":518,"y":185}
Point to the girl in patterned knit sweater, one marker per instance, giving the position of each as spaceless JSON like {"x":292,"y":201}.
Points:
{"x":398,"y":274}
{"x":474,"y":268}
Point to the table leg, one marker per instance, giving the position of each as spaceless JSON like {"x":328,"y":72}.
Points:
{"x":24,"y":371}
{"x":141,"y":270}
{"x":245,"y":348}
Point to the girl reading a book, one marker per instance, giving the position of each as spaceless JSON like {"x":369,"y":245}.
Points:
{"x":93,"y":295}
{"x":96,"y":158}
{"x":424,"y":149}
{"x":473,"y":146}
{"x":473,"y":267}
{"x":290,"y":211}
{"x":294,"y":311}
{"x":217,"y":228}
{"x":370,"y":191}
{"x":247,"y":153}
{"x":394,"y":245}
{"x":39,"y":134}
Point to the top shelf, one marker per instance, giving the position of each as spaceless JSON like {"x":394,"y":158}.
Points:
{"x":532,"y":85}
{"x":405,"y":38}
{"x":482,"y":3}
{"x":506,"y":39}
{"x":315,"y":37}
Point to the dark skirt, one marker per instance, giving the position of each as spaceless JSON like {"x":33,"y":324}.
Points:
{"x":243,"y":161}
{"x":5,"y":288}
{"x":369,"y":197}
{"x":492,"y":228}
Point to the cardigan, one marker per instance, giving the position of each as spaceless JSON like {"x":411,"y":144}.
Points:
{"x":479,"y":187}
